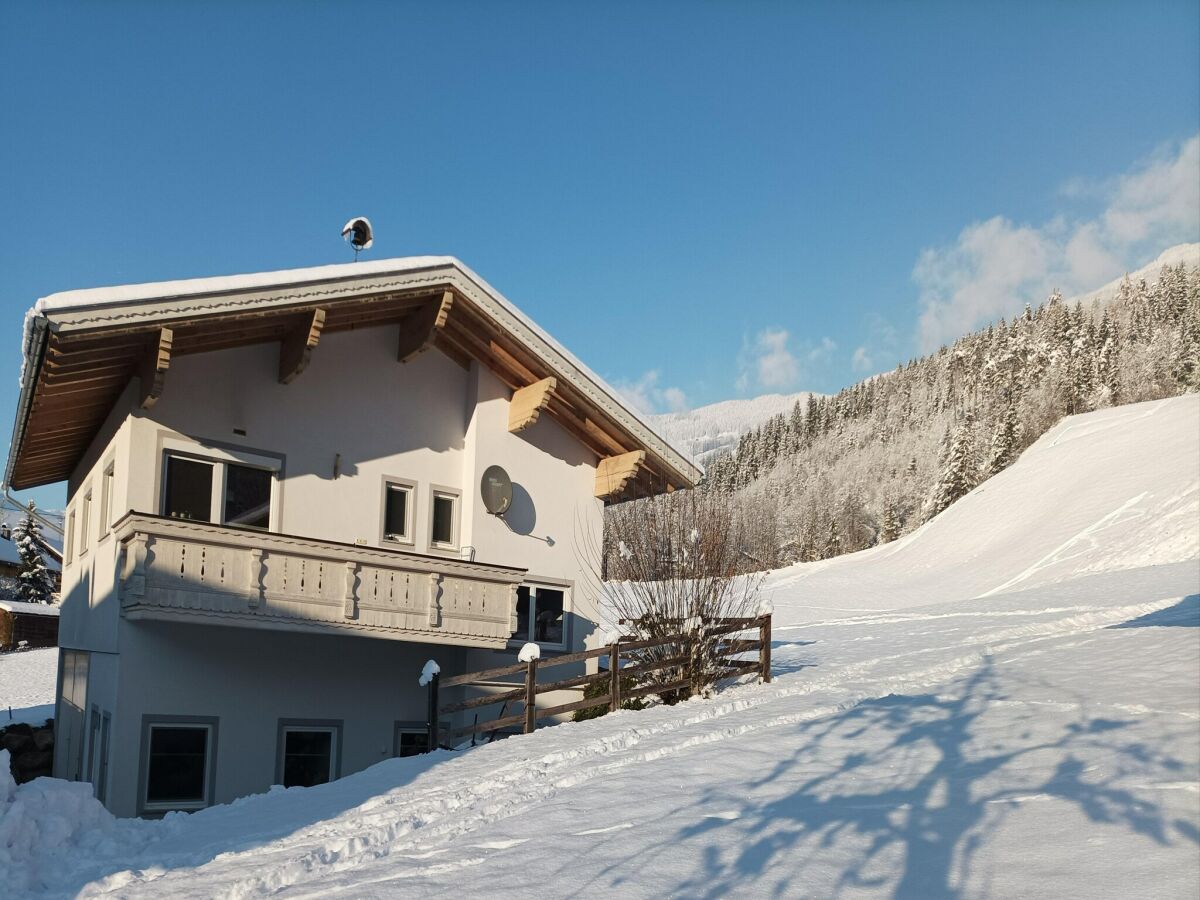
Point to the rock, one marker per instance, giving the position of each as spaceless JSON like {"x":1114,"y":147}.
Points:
{"x":32,"y":763}
{"x":43,"y":738}
{"x":15,"y":742}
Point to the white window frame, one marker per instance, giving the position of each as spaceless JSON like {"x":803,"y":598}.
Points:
{"x":410,"y":488}
{"x":455,"y":496}
{"x":409,"y":727}
{"x":85,"y":515}
{"x":209,"y":759}
{"x":566,"y":590}
{"x":107,"y":483}
{"x":219,"y":458}
{"x":69,"y":549}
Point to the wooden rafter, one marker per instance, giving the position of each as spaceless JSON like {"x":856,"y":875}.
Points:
{"x":295,"y":350}
{"x":153,"y":368}
{"x":614,"y":472}
{"x":528,"y":402}
{"x":420,"y":327}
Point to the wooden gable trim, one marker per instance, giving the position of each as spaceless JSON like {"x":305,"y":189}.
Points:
{"x":297,"y":346}
{"x":153,"y":368}
{"x":528,"y":402}
{"x":614,"y":472}
{"x":420,"y":327}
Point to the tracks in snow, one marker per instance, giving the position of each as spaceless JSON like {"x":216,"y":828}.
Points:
{"x":493,"y":783}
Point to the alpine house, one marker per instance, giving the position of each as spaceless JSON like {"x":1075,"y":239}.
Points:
{"x":275,"y":514}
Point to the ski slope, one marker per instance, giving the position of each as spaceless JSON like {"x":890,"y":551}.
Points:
{"x":1004,"y":703}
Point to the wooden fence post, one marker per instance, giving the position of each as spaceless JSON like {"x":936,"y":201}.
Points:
{"x":530,"y":696}
{"x":614,"y":669}
{"x":434,"y":724}
{"x":764,"y":649}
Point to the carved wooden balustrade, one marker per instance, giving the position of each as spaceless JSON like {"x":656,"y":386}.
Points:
{"x":180,"y":570}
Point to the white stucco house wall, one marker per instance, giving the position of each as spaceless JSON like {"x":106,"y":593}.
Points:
{"x":274,"y":514}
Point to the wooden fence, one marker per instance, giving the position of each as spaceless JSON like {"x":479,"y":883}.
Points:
{"x":626,"y":658}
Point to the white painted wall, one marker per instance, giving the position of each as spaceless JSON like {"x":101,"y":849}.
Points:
{"x":430,"y":422}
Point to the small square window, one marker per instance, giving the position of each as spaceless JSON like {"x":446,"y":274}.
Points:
{"x":444,"y":528}
{"x":177,"y":766}
{"x":411,"y":740}
{"x":397,"y":512}
{"x":308,"y":755}
{"x":541,"y":614}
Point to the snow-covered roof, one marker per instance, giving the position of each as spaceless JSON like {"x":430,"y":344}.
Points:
{"x":96,"y":310}
{"x":30,"y":609}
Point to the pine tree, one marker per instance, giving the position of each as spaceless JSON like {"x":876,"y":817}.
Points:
{"x":34,"y":582}
{"x":1004,"y":441}
{"x":833,"y":541}
{"x":890,"y":529}
{"x":958,"y":475}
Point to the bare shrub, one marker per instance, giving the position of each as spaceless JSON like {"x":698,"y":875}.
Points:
{"x":677,"y":563}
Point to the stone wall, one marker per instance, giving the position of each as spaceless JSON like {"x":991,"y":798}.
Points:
{"x":31,"y":749}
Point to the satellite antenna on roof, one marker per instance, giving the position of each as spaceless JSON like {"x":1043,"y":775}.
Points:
{"x":358,"y":232}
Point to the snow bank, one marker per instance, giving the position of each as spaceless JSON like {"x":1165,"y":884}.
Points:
{"x":27,"y":680}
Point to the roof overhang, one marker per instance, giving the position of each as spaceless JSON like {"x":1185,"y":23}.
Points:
{"x":83,"y":347}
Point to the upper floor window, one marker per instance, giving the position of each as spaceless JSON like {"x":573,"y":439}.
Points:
{"x":541,"y":614}
{"x":106,"y":499}
{"x":397,"y":512}
{"x":85,"y":515}
{"x":443,"y":530}
{"x":223,"y":491}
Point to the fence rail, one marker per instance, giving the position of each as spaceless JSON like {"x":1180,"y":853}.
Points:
{"x":627,"y":657}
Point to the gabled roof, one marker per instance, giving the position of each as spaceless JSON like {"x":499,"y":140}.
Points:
{"x":82,"y":348}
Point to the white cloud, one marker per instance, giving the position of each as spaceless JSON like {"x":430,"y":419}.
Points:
{"x":996,"y":265}
{"x":777,"y":367}
{"x":646,"y":396}
{"x":769,"y":362}
{"x":861,"y":361}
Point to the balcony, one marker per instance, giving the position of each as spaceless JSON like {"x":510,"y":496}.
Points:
{"x":180,"y":570}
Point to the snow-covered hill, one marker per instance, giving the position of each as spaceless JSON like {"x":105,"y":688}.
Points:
{"x":1188,"y":254}
{"x":1004,"y":703}
{"x":705,"y":431}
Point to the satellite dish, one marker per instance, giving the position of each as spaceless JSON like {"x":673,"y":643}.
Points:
{"x":358,"y":232}
{"x":496,"y":488}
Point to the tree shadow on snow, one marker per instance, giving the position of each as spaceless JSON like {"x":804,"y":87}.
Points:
{"x":905,"y":783}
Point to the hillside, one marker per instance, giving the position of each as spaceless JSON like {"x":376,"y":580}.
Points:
{"x":707,"y":431}
{"x":1002,"y":703}
{"x":875,"y":461}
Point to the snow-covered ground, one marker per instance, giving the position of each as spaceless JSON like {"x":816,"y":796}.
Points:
{"x":1005,"y":703}
{"x":27,"y":685}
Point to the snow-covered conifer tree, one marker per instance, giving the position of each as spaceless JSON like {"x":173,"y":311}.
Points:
{"x":34,"y":582}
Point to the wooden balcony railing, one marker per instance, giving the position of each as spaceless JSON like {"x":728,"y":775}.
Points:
{"x":179,"y":570}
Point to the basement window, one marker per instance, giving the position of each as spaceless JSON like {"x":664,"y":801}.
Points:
{"x":541,"y":615}
{"x":178,"y":770}
{"x":412,"y":739}
{"x":308,"y":753}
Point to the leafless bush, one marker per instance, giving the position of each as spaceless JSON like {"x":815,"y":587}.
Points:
{"x":677,"y":564}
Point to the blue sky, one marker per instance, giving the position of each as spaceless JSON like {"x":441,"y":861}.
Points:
{"x":702,"y":200}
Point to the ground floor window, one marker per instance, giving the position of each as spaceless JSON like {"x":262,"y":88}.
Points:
{"x":412,"y":739}
{"x":308,"y":753}
{"x":541,"y":615}
{"x":178,"y":764}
